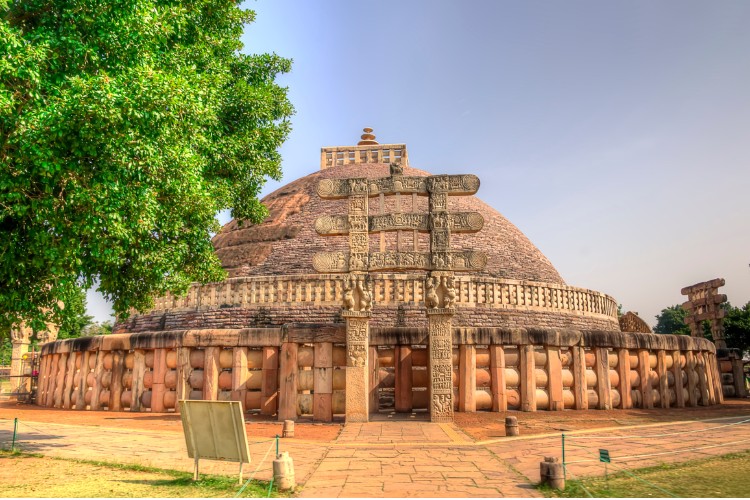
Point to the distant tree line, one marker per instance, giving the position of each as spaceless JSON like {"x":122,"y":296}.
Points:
{"x":736,"y":324}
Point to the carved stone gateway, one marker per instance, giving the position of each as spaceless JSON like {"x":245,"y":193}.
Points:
{"x":20,"y":338}
{"x":439,"y":298}
{"x":440,"y":262}
{"x":704,"y":304}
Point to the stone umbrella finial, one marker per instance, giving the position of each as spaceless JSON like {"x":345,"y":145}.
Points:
{"x":368,"y":138}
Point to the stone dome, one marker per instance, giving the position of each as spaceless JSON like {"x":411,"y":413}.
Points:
{"x":272,"y":279}
{"x":286,"y":241}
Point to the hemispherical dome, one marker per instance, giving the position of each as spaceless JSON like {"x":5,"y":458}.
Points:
{"x":286,"y":241}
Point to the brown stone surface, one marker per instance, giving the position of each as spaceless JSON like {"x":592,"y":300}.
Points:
{"x":631,"y":322}
{"x":290,"y":231}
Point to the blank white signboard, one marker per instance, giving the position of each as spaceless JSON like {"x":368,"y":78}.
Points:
{"x":215,"y":430}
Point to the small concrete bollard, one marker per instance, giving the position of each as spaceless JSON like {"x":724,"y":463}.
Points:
{"x":283,"y":471}
{"x":288,"y":429}
{"x":552,"y":473}
{"x":511,"y":426}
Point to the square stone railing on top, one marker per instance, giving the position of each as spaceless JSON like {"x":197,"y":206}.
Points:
{"x":350,"y":155}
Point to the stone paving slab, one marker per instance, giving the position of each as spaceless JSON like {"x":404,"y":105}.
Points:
{"x":651,"y":444}
{"x":164,"y":450}
{"x":405,"y":459}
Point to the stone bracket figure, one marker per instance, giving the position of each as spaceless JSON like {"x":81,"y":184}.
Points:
{"x":348,"y":295}
{"x":440,"y":292}
{"x":358,"y":293}
{"x":431,"y":299}
{"x":449,"y":294}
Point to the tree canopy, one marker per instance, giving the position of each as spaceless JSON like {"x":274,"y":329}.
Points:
{"x":736,"y":324}
{"x":672,"y":321}
{"x":126,"y":126}
{"x":74,"y":318}
{"x":737,"y":327}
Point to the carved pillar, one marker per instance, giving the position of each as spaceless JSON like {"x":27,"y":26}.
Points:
{"x":374,"y":380}
{"x":441,"y":364}
{"x":526,"y":369}
{"x":661,"y":370}
{"x":211,"y":370}
{"x":467,"y":378}
{"x":270,"y":385}
{"x":644,"y":369}
{"x":70,"y":373}
{"x":139,"y":370}
{"x":20,"y":339}
{"x":82,"y":376}
{"x":691,"y":367}
{"x":497,"y":368}
{"x":359,"y":239}
{"x":52,"y":382}
{"x":357,"y":375}
{"x":96,"y":400}
{"x":580,"y":387}
{"x":702,"y":379}
{"x":116,"y":386}
{"x":323,"y":382}
{"x":239,"y":377}
{"x":554,"y":374}
{"x":404,"y":401}
{"x":288,"y":378}
{"x":158,"y":388}
{"x":677,"y":372}
{"x":623,"y":366}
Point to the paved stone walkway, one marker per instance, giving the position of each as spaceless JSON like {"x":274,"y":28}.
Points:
{"x":406,"y":459}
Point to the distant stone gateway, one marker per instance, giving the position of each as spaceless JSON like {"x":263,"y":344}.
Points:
{"x":373,"y":286}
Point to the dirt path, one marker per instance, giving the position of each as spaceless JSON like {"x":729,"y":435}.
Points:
{"x":257,"y":427}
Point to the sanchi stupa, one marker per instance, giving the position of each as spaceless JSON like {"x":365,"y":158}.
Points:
{"x":373,"y":286}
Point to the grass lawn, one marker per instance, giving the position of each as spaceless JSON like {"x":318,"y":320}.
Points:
{"x":32,"y":475}
{"x":722,"y":476}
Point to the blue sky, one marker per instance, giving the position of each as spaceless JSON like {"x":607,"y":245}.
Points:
{"x":614,"y":135}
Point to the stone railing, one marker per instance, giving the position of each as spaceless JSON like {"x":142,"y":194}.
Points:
{"x":299,"y":370}
{"x":350,"y":155}
{"x":389,"y":290}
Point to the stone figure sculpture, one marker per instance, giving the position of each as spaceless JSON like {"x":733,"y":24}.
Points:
{"x":450,"y":293}
{"x":365,"y":295}
{"x":348,"y":296}
{"x":431,"y":297}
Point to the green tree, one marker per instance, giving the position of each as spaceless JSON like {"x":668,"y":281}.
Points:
{"x":94,"y":329}
{"x":74,"y":321}
{"x":737,"y":327}
{"x":74,"y":317}
{"x":6,"y":350}
{"x":125,"y":126}
{"x":672,"y":321}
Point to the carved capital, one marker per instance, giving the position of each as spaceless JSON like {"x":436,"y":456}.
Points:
{"x":21,"y":334}
{"x":357,"y":295}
